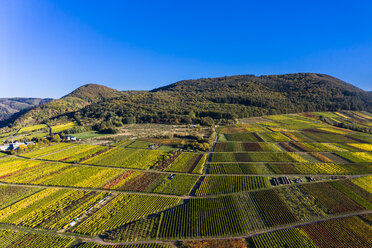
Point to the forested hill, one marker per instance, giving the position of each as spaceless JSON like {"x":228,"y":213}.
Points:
{"x":94,"y":93}
{"x":289,"y":93}
{"x":209,"y":100}
{"x":79,"y":98}
{"x":227,"y":98}
{"x":277,"y":93}
{"x":11,"y":106}
{"x":273,"y":82}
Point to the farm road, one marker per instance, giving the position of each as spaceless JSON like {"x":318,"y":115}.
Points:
{"x":103,"y":242}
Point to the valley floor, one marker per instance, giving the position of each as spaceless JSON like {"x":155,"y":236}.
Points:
{"x":276,"y":181}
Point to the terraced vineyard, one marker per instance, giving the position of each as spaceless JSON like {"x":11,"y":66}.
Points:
{"x":129,"y":158}
{"x":274,"y":181}
{"x":63,"y":127}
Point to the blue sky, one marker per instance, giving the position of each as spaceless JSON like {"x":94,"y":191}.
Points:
{"x":49,"y":48}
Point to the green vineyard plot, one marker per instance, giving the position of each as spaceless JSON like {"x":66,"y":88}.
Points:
{"x":129,"y":158}
{"x":150,"y":245}
{"x":345,"y":232}
{"x":24,"y":171}
{"x":240,"y":168}
{"x":259,"y":157}
{"x":10,"y":195}
{"x":188,"y":162}
{"x":246,"y":147}
{"x":178,"y":185}
{"x":356,"y":157}
{"x":213,"y":217}
{"x":213,"y":185}
{"x":75,"y":154}
{"x":32,"y":128}
{"x":24,"y":240}
{"x":331,"y":198}
{"x":124,"y":209}
{"x":294,"y":237}
{"x":47,"y":150}
{"x":63,"y":127}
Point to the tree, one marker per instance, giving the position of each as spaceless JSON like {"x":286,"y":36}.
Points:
{"x":55,"y":138}
{"x":207,"y":121}
{"x":22,"y":148}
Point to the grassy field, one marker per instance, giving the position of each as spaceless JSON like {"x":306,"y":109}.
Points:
{"x":88,"y":135}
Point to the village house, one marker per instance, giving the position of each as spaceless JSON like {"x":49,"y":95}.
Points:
{"x":70,"y":138}
{"x":13,"y":146}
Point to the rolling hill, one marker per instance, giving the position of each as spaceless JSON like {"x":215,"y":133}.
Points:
{"x":11,"y":106}
{"x":79,"y":98}
{"x":228,"y":98}
{"x":205,"y":100}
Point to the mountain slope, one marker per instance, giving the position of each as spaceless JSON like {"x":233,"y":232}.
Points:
{"x":11,"y":106}
{"x":204,"y":100}
{"x":227,"y":98}
{"x":79,"y":98}
{"x":94,"y":93}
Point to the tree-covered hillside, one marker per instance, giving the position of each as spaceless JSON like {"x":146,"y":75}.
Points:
{"x":79,"y":98}
{"x":228,"y":98}
{"x":206,"y":100}
{"x":11,"y":106}
{"x":277,"y":93}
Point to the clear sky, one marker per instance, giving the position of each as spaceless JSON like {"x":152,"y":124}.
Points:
{"x":49,"y":48}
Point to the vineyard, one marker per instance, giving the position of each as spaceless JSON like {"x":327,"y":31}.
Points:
{"x":260,"y":157}
{"x":129,"y":158}
{"x":294,"y":237}
{"x":332,"y":199}
{"x":37,"y":172}
{"x":236,"y":215}
{"x":213,"y":185}
{"x":241,"y":168}
{"x":188,"y":162}
{"x":345,"y":232}
{"x":274,"y":181}
{"x":47,"y":150}
{"x":212,"y":217}
{"x":10,"y":195}
{"x":36,"y":209}
{"x":25,"y":240}
{"x":32,"y":128}
{"x":75,"y":154}
{"x":124,"y":209}
{"x":63,"y":127}
{"x":290,"y":168}
{"x":151,"y":245}
{"x":178,"y":185}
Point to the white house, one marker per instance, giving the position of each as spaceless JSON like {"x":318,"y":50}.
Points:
{"x":71,"y":138}
{"x":13,"y":146}
{"x":4,"y":147}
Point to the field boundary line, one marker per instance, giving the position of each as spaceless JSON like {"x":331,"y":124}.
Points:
{"x":103,"y":242}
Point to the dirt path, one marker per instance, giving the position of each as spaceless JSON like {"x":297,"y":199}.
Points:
{"x":209,"y":158}
{"x":49,"y":129}
{"x":90,"y":189}
{"x":51,"y":153}
{"x":186,"y":173}
{"x":191,"y":196}
{"x":101,"y":166}
{"x":171,"y":241}
{"x":103,"y":242}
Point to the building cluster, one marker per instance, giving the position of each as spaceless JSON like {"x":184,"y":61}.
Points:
{"x":14,"y":146}
{"x":70,"y":138}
